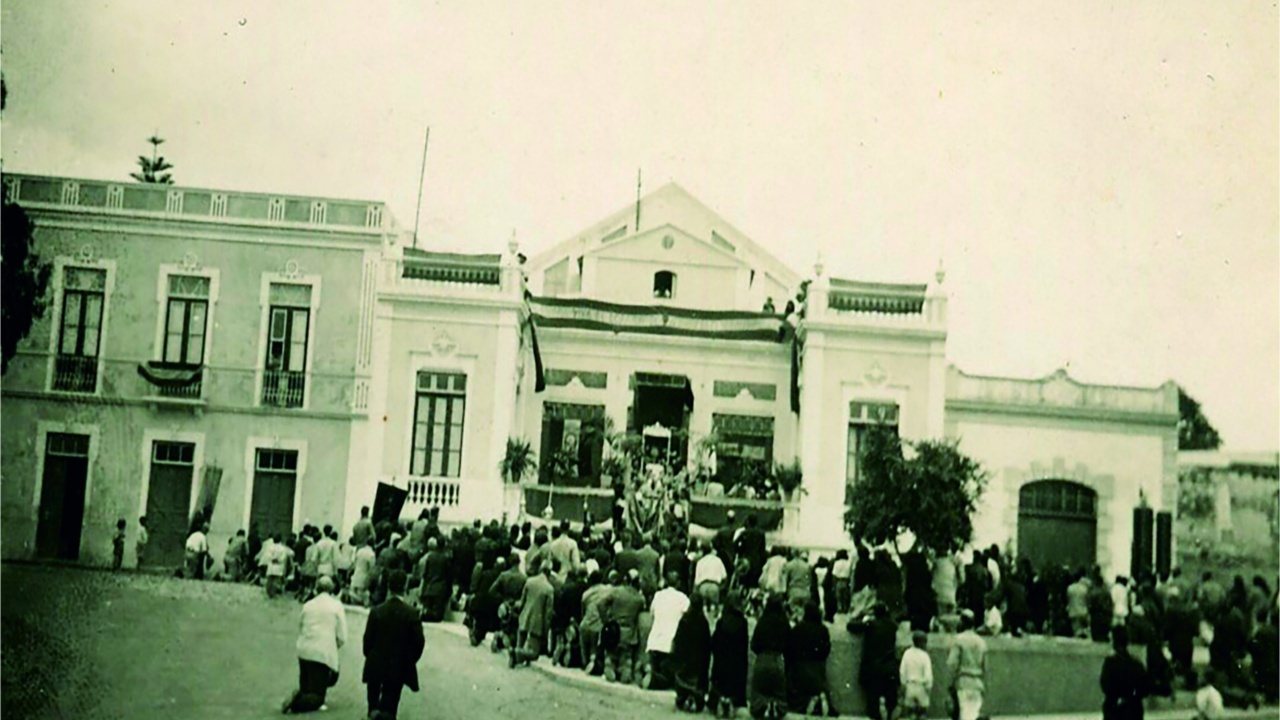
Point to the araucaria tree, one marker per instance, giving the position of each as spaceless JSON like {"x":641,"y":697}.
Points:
{"x":152,"y":170}
{"x":933,"y":495}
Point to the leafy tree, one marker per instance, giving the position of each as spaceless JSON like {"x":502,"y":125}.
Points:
{"x":23,"y":278}
{"x":1195,"y":432}
{"x":932,"y":494}
{"x":153,"y":168}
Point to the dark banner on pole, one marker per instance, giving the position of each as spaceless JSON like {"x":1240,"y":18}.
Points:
{"x":388,"y":503}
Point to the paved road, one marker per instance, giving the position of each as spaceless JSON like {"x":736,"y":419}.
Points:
{"x":81,"y":644}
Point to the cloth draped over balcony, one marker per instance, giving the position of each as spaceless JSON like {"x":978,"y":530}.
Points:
{"x":539,"y":375}
{"x":170,"y":375}
{"x":656,"y":319}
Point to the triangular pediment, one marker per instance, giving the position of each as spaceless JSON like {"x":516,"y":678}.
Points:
{"x":668,"y":244}
{"x":669,"y":206}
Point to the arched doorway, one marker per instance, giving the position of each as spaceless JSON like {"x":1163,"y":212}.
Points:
{"x":1058,"y":524}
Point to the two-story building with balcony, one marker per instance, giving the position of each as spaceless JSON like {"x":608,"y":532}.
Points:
{"x":202,"y":351}
{"x":666,"y":321}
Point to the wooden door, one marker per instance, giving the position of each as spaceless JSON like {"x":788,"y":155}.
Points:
{"x":62,"y":491}
{"x":272,"y":508}
{"x":275,"y":478}
{"x":169,"y":502}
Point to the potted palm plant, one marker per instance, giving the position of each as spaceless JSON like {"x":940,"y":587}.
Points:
{"x":788,"y":479}
{"x":519,"y":462}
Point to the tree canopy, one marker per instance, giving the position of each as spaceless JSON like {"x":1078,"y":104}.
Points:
{"x":1195,"y":432}
{"x":23,"y":281}
{"x":933,"y":494}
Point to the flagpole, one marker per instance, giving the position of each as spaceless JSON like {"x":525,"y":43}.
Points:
{"x":421,"y":179}
{"x":638,"y":170}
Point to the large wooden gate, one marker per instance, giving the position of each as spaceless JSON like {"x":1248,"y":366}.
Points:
{"x":1058,"y":524}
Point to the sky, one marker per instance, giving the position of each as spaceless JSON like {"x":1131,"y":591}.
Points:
{"x":1100,"y":180}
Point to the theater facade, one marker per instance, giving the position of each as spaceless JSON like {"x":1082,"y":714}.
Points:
{"x":418,"y":368}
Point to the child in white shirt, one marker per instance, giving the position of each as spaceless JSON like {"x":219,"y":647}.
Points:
{"x":916,"y":674}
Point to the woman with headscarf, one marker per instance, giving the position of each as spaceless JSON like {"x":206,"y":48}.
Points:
{"x":769,"y":674}
{"x":729,"y":658}
{"x":691,"y":651}
{"x":808,"y":646}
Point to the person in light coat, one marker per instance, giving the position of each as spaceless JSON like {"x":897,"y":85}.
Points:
{"x":322,"y":631}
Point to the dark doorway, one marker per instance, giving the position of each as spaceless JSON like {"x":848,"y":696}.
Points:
{"x":275,"y":479}
{"x":62,"y":489}
{"x":665,"y":400}
{"x":169,"y":501}
{"x":1058,"y":524}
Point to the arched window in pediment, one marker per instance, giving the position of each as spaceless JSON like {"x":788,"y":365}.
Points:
{"x":664,"y":284}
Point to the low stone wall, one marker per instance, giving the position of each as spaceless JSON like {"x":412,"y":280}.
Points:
{"x":1025,"y":676}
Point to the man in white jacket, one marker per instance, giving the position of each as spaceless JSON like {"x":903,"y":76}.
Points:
{"x":322,"y":631}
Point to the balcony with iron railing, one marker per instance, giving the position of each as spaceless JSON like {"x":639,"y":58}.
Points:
{"x":283,"y":389}
{"x":75,"y":373}
{"x":217,"y":388}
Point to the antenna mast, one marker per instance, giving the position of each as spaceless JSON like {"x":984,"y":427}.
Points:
{"x":638,"y":200}
{"x":421,"y":179}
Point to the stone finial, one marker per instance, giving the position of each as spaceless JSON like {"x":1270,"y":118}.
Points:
{"x":513,"y":247}
{"x":818,"y":265}
{"x":941,"y":273}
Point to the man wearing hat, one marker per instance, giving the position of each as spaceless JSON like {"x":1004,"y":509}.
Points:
{"x":322,"y":633}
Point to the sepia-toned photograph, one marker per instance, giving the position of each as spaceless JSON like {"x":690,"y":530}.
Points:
{"x":635,"y":360}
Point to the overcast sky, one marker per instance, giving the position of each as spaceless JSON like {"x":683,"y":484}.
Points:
{"x":1100,"y":178}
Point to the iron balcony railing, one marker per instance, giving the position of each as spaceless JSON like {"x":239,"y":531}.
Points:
{"x":218,"y":387}
{"x":75,"y":373}
{"x":282,"y":388}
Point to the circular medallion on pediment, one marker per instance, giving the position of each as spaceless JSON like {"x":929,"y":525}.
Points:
{"x":668,"y":242}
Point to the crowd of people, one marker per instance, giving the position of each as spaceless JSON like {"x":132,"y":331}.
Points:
{"x":578,"y":596}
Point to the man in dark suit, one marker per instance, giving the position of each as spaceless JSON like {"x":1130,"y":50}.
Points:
{"x":879,"y":670}
{"x":393,"y":644}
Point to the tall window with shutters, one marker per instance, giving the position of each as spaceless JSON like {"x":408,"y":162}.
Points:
{"x":80,"y":329}
{"x":284,"y":379}
{"x":186,"y":320}
{"x":439,"y":411}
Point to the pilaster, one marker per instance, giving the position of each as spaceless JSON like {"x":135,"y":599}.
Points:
{"x":503,"y":411}
{"x":821,"y":507}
